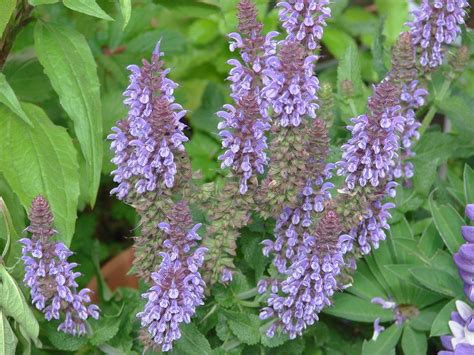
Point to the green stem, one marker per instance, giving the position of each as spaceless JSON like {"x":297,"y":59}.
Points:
{"x":353,"y":108}
{"x":433,"y":109}
{"x":247,"y":294}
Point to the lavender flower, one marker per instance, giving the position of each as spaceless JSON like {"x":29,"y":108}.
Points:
{"x":146,"y":143}
{"x":464,"y":258}
{"x":378,"y":329}
{"x":436,"y":23}
{"x":400,"y":316}
{"x":304,"y":20}
{"x":177,"y":290}
{"x":50,"y":277}
{"x":462,"y":328}
{"x":289,"y":85}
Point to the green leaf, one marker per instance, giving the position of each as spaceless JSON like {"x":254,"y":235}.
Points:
{"x":396,"y":14}
{"x":426,"y":173}
{"x":469,"y":184}
{"x":430,"y":241}
{"x":244,"y":326}
{"x":458,"y":109}
{"x":354,"y":308}
{"x":337,"y":41}
{"x":439,"y":281}
{"x":440,"y":324}
{"x":8,"y":6}
{"x":62,"y":341}
{"x":88,"y":7}
{"x":41,"y":161}
{"x":14,"y":305}
{"x":190,"y":8}
{"x":425,"y":319}
{"x":349,"y":69}
{"x":68,"y":62}
{"x":378,"y":50}
{"x":105,"y":329}
{"x":8,"y":339}
{"x":12,"y":248}
{"x":448,"y":222}
{"x":203,"y":31}
{"x":192,"y":342}
{"x":8,"y":97}
{"x":126,"y":8}
{"x":42,"y":2}
{"x":385,"y":342}
{"x":414,"y":342}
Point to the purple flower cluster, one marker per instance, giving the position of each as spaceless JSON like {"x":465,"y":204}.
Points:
{"x":462,"y":328}
{"x":304,"y":20}
{"x":49,"y":275}
{"x":310,"y":279}
{"x":464,"y":258}
{"x":436,"y":23}
{"x":145,"y":144}
{"x":290,"y":86}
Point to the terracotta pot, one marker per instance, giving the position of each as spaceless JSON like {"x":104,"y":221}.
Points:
{"x":115,"y":273}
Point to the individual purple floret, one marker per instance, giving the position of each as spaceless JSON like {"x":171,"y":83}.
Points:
{"x":304,"y":20}
{"x":177,"y":290}
{"x":400,"y":318}
{"x":290,"y":86}
{"x":370,"y":153}
{"x":146,"y":142}
{"x":50,"y":277}
{"x":464,"y":258}
{"x":378,"y":329}
{"x":436,"y":23}
{"x":311,"y":279}
{"x":462,"y":328}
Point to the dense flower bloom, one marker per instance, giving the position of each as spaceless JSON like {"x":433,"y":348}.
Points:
{"x":290,"y":86}
{"x":177,"y":290}
{"x":462,"y":328}
{"x":145,"y":144}
{"x":464,"y":258}
{"x":310,"y":280}
{"x":49,"y":275}
{"x":436,"y":23}
{"x":304,"y":20}
{"x":370,"y":153}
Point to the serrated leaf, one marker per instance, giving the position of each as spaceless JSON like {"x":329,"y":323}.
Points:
{"x":8,"y":97}
{"x":8,"y":340}
{"x":88,"y":7}
{"x":8,"y":6}
{"x":63,"y":341}
{"x":426,"y":173}
{"x":414,"y":342}
{"x":41,"y":161}
{"x":440,"y":324}
{"x":439,"y":281}
{"x":68,"y":62}
{"x":191,"y":342}
{"x":13,"y":304}
{"x":126,"y":9}
{"x":349,"y":69}
{"x":105,"y":329}
{"x":385,"y":342}
{"x":354,"y":308}
{"x":244,"y":326}
{"x":448,"y":222}
{"x":468,"y":184}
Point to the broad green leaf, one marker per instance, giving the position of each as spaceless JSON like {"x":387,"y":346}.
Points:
{"x":88,"y":7}
{"x":426,"y":173}
{"x":105,"y":329}
{"x":190,"y":8}
{"x":8,"y":339}
{"x":42,"y":2}
{"x":364,"y":285}
{"x":68,"y":62}
{"x":430,"y":241}
{"x":337,"y":41}
{"x":357,"y":309}
{"x":395,"y":13}
{"x":8,"y":97}
{"x":244,"y":326}
{"x":439,"y":281}
{"x":385,"y":342}
{"x":8,"y":6}
{"x":448,"y":222}
{"x":14,"y":305}
{"x":469,"y":184}
{"x":12,"y":247}
{"x":41,"y":161}
{"x":458,"y":108}
{"x":349,"y":70}
{"x":410,"y":247}
{"x":414,"y":342}
{"x":203,"y":31}
{"x":378,"y":50}
{"x":126,"y":8}
{"x":425,"y":319}
{"x":440,"y":324}
{"x":17,"y":212}
{"x":62,"y":341}
{"x":192,"y":341}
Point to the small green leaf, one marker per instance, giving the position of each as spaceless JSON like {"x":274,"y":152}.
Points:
{"x":8,"y":97}
{"x":41,"y":161}
{"x":354,"y":308}
{"x":8,"y":339}
{"x":469,"y":184}
{"x":14,"y":305}
{"x":439,"y":281}
{"x":8,"y":6}
{"x":126,"y":8}
{"x":448,"y":222}
{"x":440,"y":324}
{"x":414,"y":342}
{"x":385,"y":342}
{"x":68,"y":62}
{"x":244,"y":326}
{"x":88,"y":7}
{"x":192,"y":342}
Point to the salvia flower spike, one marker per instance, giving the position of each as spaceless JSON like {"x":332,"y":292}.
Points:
{"x":464,"y":258}
{"x":145,"y":144}
{"x":50,"y":277}
{"x":462,"y":328}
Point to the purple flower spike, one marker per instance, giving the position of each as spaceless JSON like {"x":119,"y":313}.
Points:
{"x":464,"y":258}
{"x":304,"y":20}
{"x":146,"y":143}
{"x":470,"y":212}
{"x":435,"y":24}
{"x":462,"y":328}
{"x":177,"y":290}
{"x":50,"y":277}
